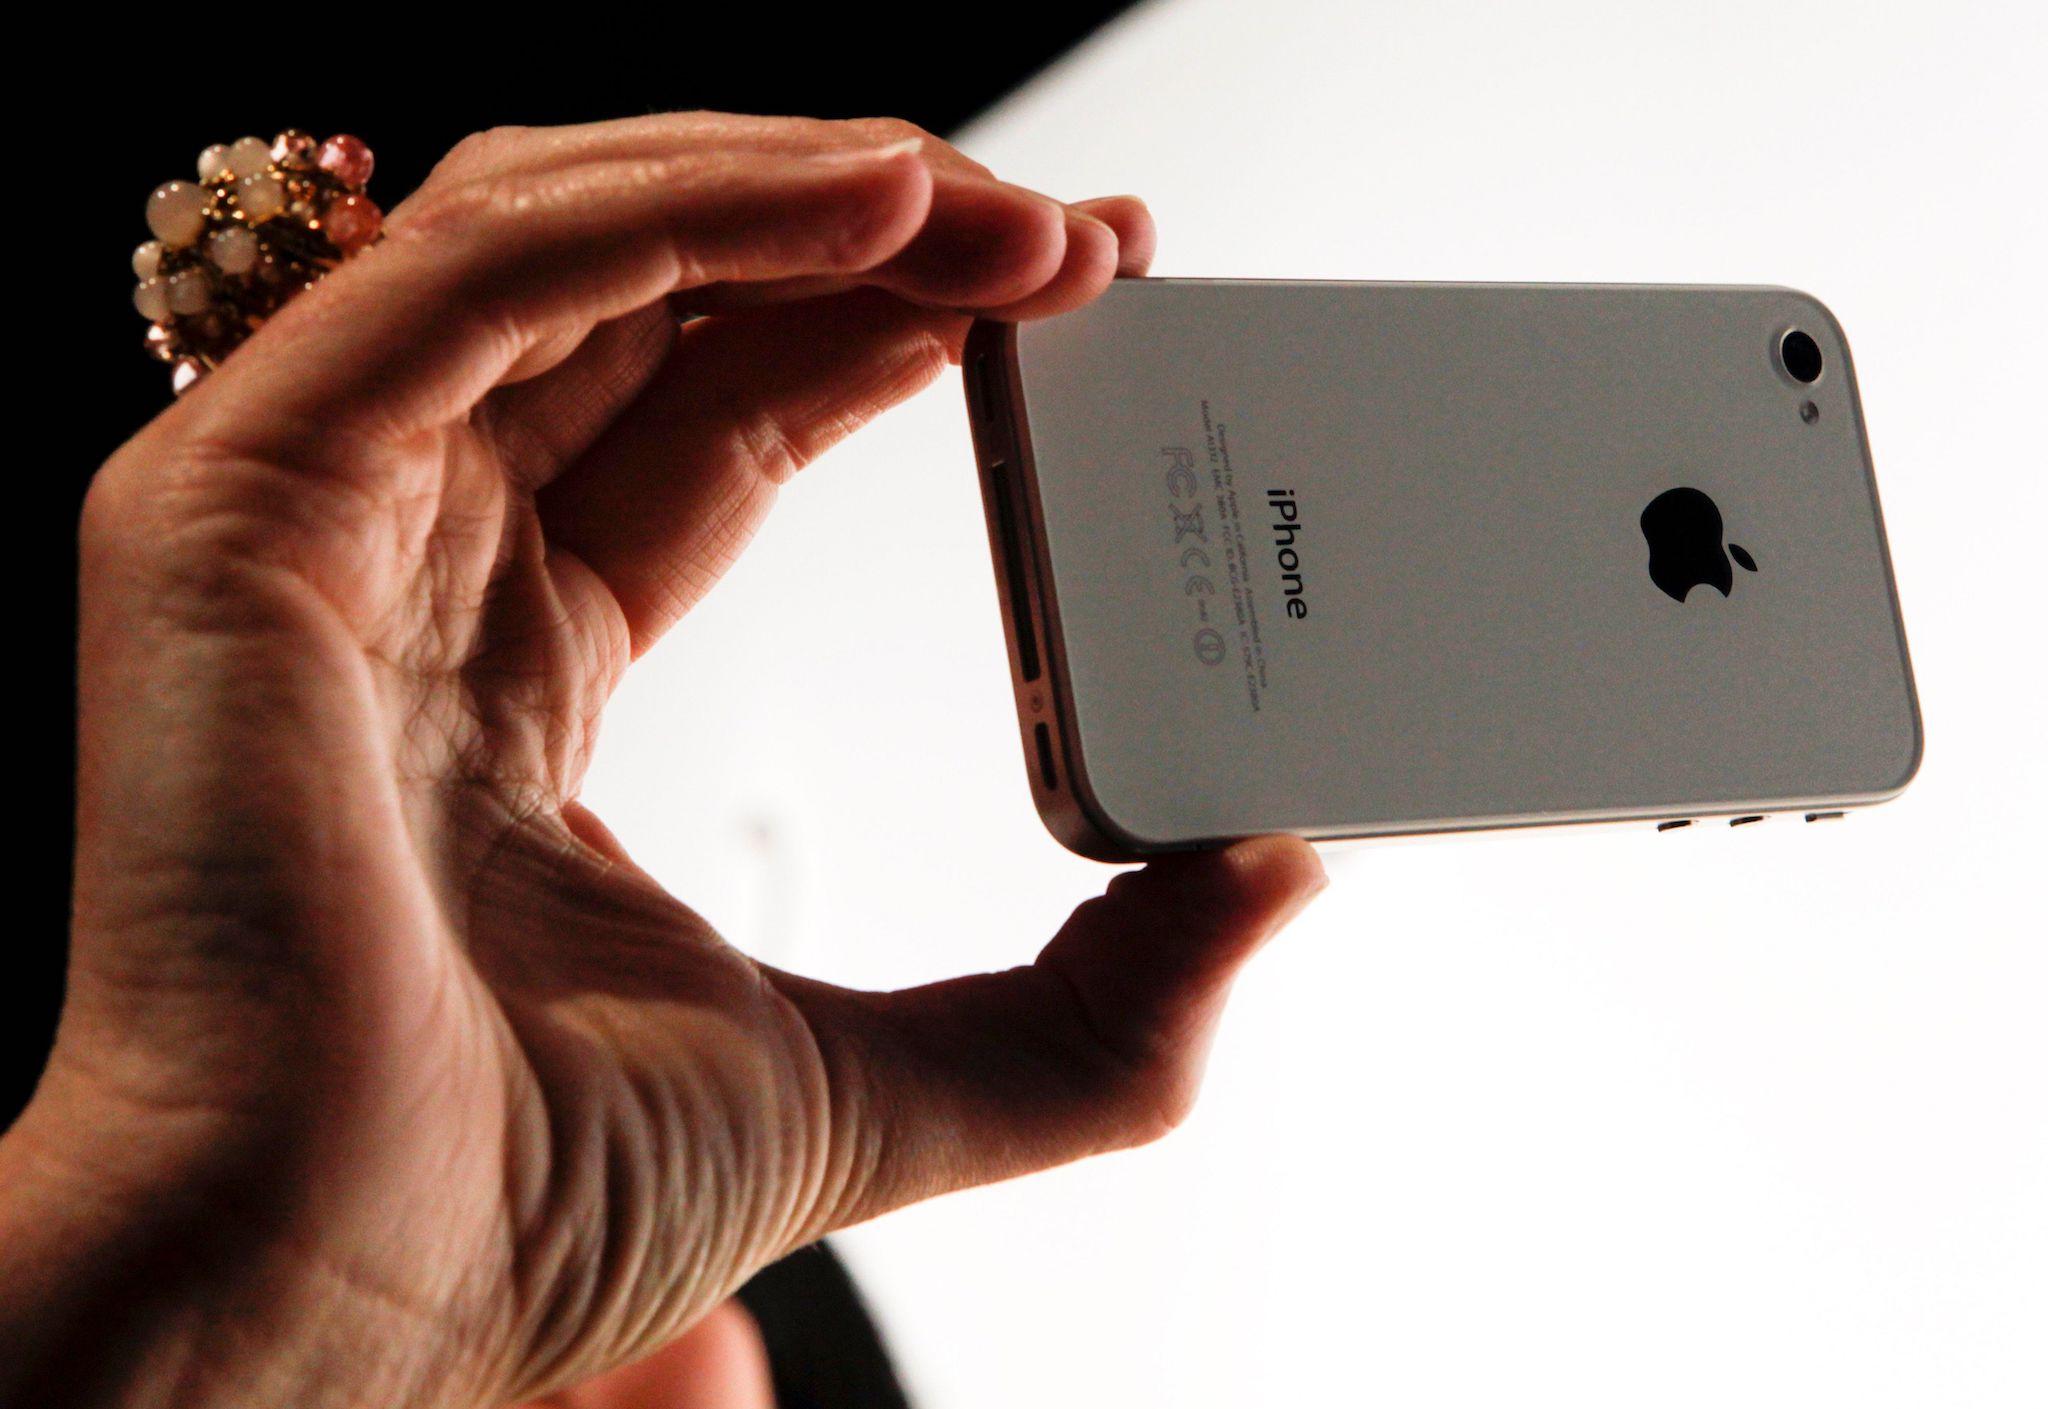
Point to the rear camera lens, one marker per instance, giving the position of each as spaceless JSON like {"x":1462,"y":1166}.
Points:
{"x":1801,"y":356}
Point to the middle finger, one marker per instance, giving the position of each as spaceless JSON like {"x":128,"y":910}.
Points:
{"x":988,"y":245}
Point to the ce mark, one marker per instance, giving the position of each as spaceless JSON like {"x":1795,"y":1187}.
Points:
{"x":1197,"y":585}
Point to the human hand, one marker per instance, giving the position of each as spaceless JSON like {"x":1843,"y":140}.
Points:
{"x":385,"y":1077}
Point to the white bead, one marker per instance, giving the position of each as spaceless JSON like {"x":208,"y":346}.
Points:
{"x":177,"y":212}
{"x":148,"y":255}
{"x":153,"y":300}
{"x":184,"y":372}
{"x":213,"y":162}
{"x":233,"y":250}
{"x":189,"y":292}
{"x":248,"y":156}
{"x":260,"y":197}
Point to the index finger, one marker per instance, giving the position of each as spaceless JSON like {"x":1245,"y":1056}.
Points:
{"x":414,"y":333}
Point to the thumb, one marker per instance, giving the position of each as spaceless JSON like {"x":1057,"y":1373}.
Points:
{"x":1098,"y":1045}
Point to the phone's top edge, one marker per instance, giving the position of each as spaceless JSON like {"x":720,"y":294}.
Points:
{"x":1535,"y":285}
{"x":1004,"y":328}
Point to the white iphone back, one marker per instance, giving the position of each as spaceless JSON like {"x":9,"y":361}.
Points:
{"x":1361,"y":559}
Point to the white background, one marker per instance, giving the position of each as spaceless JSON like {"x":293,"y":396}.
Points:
{"x":1599,"y":1118}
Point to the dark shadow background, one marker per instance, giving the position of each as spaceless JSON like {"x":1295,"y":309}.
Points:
{"x":136,"y":115}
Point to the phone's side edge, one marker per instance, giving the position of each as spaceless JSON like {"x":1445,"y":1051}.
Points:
{"x":1038,"y":665}
{"x":1894,"y":787}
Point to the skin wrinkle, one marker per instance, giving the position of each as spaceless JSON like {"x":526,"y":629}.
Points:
{"x":782,"y":453}
{"x":539,"y":431}
{"x":565,"y":752}
{"x":685,"y":1279}
{"x":290,"y":1261}
{"x":211,"y":575}
{"x":528,"y":733}
{"x":324,"y":450}
{"x":526,"y":340}
{"x":531,"y":1140}
{"x":628,"y":1171}
{"x":726,"y":529}
{"x":853,"y":1146}
{"x":500,"y":333}
{"x":556,"y":1286}
{"x":231,"y":908}
{"x":1128,"y":1072}
{"x":631,"y":1246}
{"x":537,"y":1250}
{"x":702,"y":1176}
{"x":429,"y":1317}
{"x":801,"y":1140}
{"x":775,"y":456}
{"x":205,"y":564}
{"x":458,"y":756}
{"x":557,"y":745}
{"x":109,"y":1082}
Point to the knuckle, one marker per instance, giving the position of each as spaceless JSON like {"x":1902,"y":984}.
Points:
{"x":108,"y":512}
{"x":1172,"y":1106}
{"x":194,"y":561}
{"x":867,"y":228}
{"x":1154,"y":1104}
{"x":140,"y":499}
{"x":486,"y":210}
{"x":768,"y":443}
{"x":437,"y":207}
{"x":1136,"y":1072}
{"x":452,"y":207}
{"x":481,"y":151}
{"x":857,"y":241}
{"x":198,"y":523}
{"x":925,"y":360}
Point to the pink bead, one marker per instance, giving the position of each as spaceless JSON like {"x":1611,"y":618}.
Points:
{"x":347,"y":160}
{"x":352,"y":222}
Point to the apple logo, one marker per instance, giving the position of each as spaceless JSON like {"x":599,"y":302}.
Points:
{"x":1683,"y":528}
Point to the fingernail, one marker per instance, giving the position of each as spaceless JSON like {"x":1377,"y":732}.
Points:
{"x":1317,"y":885}
{"x":863,"y":155}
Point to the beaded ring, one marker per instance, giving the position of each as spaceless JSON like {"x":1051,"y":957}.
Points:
{"x":264,"y":221}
